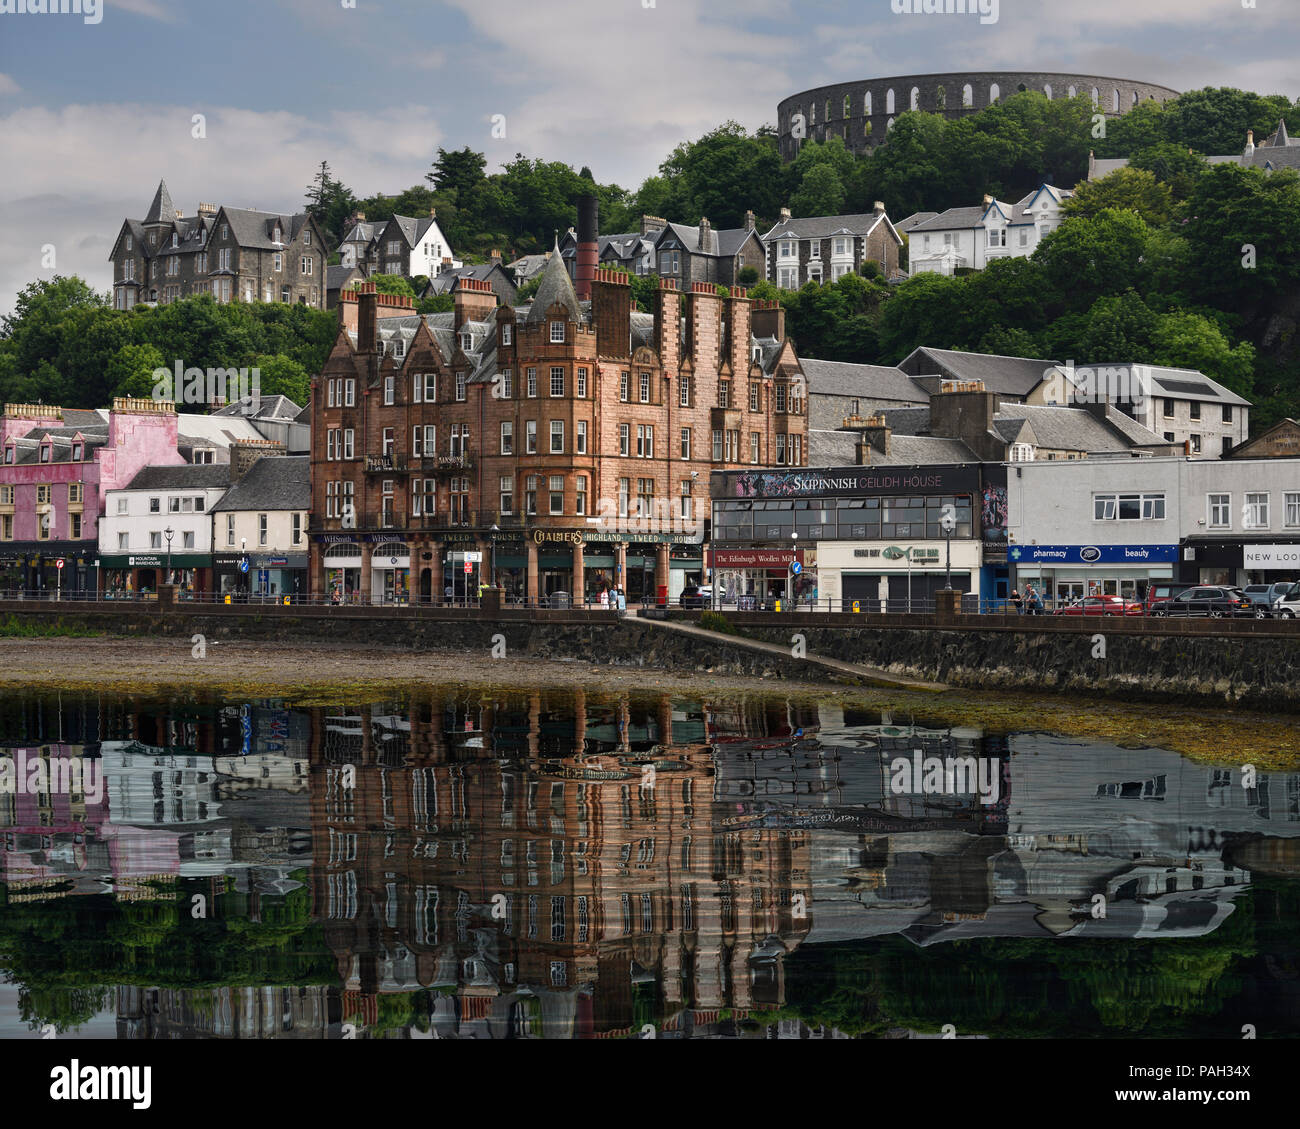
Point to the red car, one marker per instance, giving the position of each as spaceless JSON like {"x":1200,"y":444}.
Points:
{"x":1101,"y":605}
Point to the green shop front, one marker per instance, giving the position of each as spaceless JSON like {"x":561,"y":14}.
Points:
{"x":128,"y":575}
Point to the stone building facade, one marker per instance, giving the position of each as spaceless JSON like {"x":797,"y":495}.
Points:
{"x":860,"y":112}
{"x":567,"y":444}
{"x":229,"y":253}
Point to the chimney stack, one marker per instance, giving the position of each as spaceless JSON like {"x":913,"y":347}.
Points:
{"x":785,"y":213}
{"x":879,"y":208}
{"x":588,"y":232}
{"x":473,"y":300}
{"x":367,"y":318}
{"x":652,"y":223}
{"x":749,"y":220}
{"x":611,"y":312}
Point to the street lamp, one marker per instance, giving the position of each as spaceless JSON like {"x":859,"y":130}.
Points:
{"x":947,"y":523}
{"x":169,"y":533}
{"x":494,"y":531}
{"x":789,"y":587}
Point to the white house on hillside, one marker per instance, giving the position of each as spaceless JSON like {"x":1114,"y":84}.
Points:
{"x":974,"y":237}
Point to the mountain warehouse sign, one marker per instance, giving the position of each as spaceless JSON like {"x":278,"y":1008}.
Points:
{"x":846,"y":482}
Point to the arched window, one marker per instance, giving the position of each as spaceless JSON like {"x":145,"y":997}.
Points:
{"x":915,"y":103}
{"x":828,"y":109}
{"x":1047,"y":89}
{"x":940,"y":99}
{"x":1072,"y":92}
{"x":1022,"y":88}
{"x":889,"y":100}
{"x":866,"y":127}
{"x":812,"y":114}
{"x":866,"y":103}
{"x":994,"y":93}
{"x":889,"y":125}
{"x":1115,"y":100}
{"x":1096,"y":97}
{"x":848,"y":104}
{"x":967,"y":95}
{"x":1135,"y":97}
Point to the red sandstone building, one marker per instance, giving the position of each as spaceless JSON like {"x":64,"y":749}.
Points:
{"x":569,"y":441}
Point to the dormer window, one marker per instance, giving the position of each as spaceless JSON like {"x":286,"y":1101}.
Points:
{"x":9,"y":454}
{"x":399,"y":348}
{"x":557,"y":333}
{"x":276,"y":236}
{"x":507,"y":333}
{"x":467,"y":341}
{"x":176,"y":240}
{"x":1022,"y":453}
{"x":76,"y":452}
{"x":46,"y":452}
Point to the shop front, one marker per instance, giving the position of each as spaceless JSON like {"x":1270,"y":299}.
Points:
{"x":34,"y":567}
{"x":1063,"y":573}
{"x":341,"y":561}
{"x":260,"y":575}
{"x":1238,"y":561}
{"x":390,"y":573}
{"x":881,"y":576}
{"x":140,"y":574}
{"x":750,"y":579}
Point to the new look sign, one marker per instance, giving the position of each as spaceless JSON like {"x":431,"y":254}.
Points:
{"x":1271,"y":556}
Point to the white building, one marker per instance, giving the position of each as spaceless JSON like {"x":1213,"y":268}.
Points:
{"x":262,"y":521}
{"x":974,"y":237}
{"x":134,"y":547}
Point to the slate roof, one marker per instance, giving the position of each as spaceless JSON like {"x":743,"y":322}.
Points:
{"x":254,"y":229}
{"x":1184,"y":384}
{"x":556,"y":287}
{"x":274,"y":482}
{"x":161,"y":210}
{"x":908,"y":224}
{"x":204,"y":476}
{"x":1008,"y":376}
{"x":413,"y":227}
{"x":819,"y":227}
{"x":719,"y":244}
{"x":445,"y":281}
{"x":874,"y":382}
{"x":337,"y":276}
{"x":268,"y":407}
{"x":1067,"y":429}
{"x":840,"y":448}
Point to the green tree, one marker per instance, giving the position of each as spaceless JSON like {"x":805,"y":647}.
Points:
{"x":724,"y":173}
{"x":392,"y":284}
{"x":821,"y":193}
{"x":1129,"y":190}
{"x":131,"y":370}
{"x":1171,"y":164}
{"x":282,"y":376}
{"x":1186,"y":340}
{"x":1088,"y":257}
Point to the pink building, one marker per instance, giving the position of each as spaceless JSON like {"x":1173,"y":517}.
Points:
{"x":56,"y":465}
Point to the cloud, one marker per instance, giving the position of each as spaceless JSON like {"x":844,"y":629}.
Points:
{"x":8,"y":85}
{"x":248,"y":159}
{"x":153,"y":9}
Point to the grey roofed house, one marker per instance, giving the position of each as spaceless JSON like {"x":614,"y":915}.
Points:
{"x":257,"y":229}
{"x":953,"y":219}
{"x":161,"y":210}
{"x":1186,"y":384}
{"x":867,"y":382}
{"x":492,"y":272}
{"x":819,"y":227}
{"x":903,"y":226}
{"x":1008,"y":376}
{"x":1277,"y":151}
{"x":527,"y":267}
{"x":267,"y":407}
{"x":556,"y":288}
{"x":337,"y":277}
{"x":273,"y":482}
{"x":202,"y":476}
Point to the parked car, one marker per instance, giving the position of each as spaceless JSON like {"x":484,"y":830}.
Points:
{"x":696,"y":596}
{"x":1265,"y":595}
{"x":1158,"y":591}
{"x":1102,"y":605}
{"x":1215,"y":601}
{"x":1287,"y":606}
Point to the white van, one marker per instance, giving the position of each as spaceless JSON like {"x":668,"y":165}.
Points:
{"x":1288,"y":605}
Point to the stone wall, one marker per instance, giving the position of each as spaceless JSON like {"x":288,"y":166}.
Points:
{"x":1259,"y":672}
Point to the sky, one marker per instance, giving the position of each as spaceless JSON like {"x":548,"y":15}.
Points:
{"x":96,"y":107}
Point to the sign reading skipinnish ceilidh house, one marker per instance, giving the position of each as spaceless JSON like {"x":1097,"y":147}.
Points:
{"x":845,"y":482}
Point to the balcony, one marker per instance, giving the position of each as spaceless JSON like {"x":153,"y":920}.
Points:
{"x":387,"y":464}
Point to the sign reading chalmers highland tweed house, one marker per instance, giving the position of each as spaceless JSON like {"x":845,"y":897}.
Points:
{"x":847,"y":482}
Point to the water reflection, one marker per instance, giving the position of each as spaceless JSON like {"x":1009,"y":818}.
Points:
{"x":571,"y":866}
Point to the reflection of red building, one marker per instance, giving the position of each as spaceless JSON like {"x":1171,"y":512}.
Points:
{"x":557,"y":893}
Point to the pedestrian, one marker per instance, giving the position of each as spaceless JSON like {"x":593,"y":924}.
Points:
{"x":622,"y":602}
{"x":1017,"y":602}
{"x":1033,"y":600}
{"x":603,"y":599}
{"x":448,"y":593}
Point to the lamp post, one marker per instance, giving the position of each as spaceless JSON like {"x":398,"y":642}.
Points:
{"x":789,"y":585}
{"x":948,"y":522}
{"x":494,"y":531}
{"x":169,"y":533}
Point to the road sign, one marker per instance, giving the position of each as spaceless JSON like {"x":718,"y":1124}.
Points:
{"x":796,"y":568}
{"x":468,"y":568}
{"x":58,"y":563}
{"x":475,"y":556}
{"x":243,"y":565}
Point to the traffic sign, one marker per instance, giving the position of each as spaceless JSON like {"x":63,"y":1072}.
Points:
{"x":476,"y":556}
{"x":796,"y":568}
{"x":58,"y":563}
{"x":243,"y":565}
{"x":468,"y":568}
